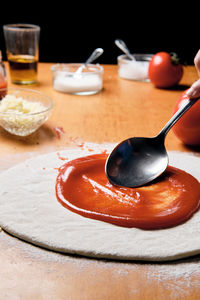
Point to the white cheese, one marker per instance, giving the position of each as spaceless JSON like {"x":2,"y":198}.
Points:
{"x":20,"y":116}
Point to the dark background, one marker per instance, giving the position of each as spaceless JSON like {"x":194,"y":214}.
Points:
{"x":71,"y":31}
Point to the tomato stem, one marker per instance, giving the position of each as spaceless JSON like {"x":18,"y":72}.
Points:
{"x":174,"y":58}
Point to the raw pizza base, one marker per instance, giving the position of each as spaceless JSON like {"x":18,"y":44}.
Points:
{"x":29,"y":210}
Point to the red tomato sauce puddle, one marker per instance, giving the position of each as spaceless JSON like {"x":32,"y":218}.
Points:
{"x":83,"y":188}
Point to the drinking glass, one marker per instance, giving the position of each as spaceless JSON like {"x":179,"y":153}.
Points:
{"x":22,"y":48}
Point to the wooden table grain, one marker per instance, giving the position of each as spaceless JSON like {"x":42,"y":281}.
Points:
{"x":124,"y":108}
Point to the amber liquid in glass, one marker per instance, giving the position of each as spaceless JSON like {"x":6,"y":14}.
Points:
{"x":23,"y":69}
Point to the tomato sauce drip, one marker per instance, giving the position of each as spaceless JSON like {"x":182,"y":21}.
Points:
{"x":83,"y":188}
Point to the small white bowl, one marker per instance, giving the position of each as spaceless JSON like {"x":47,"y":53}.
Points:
{"x":66,"y":79}
{"x":24,"y":122}
{"x":134,"y":69}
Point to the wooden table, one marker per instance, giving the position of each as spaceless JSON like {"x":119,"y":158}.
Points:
{"x":123,"y":109}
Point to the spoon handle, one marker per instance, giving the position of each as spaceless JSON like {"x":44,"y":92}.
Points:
{"x":95,"y":54}
{"x":188,"y":103}
{"x":121,"y":45}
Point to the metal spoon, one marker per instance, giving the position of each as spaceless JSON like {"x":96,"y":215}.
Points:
{"x":138,"y":161}
{"x":95,"y":54}
{"x":121,"y":45}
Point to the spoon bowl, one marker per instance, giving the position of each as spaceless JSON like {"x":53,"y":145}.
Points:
{"x":138,"y":161}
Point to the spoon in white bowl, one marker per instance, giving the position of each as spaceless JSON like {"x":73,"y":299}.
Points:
{"x":121,"y":45}
{"x":95,"y":54}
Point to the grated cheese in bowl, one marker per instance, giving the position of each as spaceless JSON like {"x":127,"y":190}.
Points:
{"x":23,"y":111}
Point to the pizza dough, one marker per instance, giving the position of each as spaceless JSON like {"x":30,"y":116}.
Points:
{"x":29,"y":210}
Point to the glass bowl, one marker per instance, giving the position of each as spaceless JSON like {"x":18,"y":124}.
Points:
{"x":23,"y":111}
{"x":67,"y":79}
{"x":134,"y":69}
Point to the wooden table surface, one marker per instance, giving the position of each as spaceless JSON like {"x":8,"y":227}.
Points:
{"x":124,"y":108}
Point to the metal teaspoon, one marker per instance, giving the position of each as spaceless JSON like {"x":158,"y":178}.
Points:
{"x":121,"y":45}
{"x":95,"y":54}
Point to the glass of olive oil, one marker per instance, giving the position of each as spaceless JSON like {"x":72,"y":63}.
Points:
{"x":22,"y":47}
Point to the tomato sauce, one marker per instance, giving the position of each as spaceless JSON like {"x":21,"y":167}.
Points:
{"x":83,"y":188}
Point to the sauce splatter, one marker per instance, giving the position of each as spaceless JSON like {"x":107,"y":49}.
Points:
{"x":59,"y":131}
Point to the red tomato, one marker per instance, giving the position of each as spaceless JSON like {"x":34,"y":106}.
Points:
{"x":3,"y":86}
{"x":187,"y":128}
{"x":164,"y":70}
{"x":3,"y":82}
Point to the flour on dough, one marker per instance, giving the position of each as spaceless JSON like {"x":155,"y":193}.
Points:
{"x":29,"y":210}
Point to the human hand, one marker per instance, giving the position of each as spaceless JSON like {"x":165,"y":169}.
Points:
{"x":194,"y":90}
